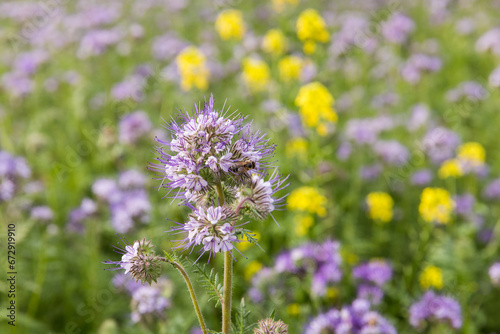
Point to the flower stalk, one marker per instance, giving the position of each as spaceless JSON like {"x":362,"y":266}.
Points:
{"x":184,"y":274}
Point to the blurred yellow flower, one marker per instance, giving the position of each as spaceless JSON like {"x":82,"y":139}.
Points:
{"x":450,"y":168}
{"x":256,"y":74}
{"x":436,"y":205}
{"x":193,"y":69}
{"x":293,"y":309}
{"x":230,"y":24}
{"x":290,"y":68}
{"x":472,"y":153}
{"x":297,"y":147}
{"x":431,"y":277}
{"x":303,"y":224}
{"x":315,"y":103}
{"x":279,"y":5}
{"x":274,"y":42}
{"x":245,"y":244}
{"x":332,"y":293}
{"x":311,"y":29}
{"x":252,"y":268}
{"x":307,"y":199}
{"x":380,"y":206}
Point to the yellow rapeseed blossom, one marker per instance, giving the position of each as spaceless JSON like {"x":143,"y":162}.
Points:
{"x":293,"y":309}
{"x":279,"y":5}
{"x":436,"y":205}
{"x":252,"y":268}
{"x":245,"y":244}
{"x":315,"y":103}
{"x":311,"y":29}
{"x":303,"y":224}
{"x":256,"y":74}
{"x":431,"y":277}
{"x":274,"y":42}
{"x":380,"y":206}
{"x":290,"y":68}
{"x":230,"y":24}
{"x":307,"y":199}
{"x":193,"y":69}
{"x":297,"y":147}
{"x":450,"y":168}
{"x":472,"y":153}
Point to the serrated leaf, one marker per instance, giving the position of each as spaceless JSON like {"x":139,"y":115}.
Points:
{"x":240,"y":324}
{"x":209,"y":281}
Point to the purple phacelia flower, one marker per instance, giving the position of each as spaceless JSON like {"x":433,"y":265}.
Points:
{"x":370,"y":172}
{"x":211,"y":158}
{"x":420,"y":115}
{"x":494,"y":78}
{"x":440,"y":144}
{"x":392,"y":152}
{"x":96,"y":42}
{"x":492,"y":190}
{"x":397,"y":28}
{"x":469,"y":90}
{"x":421,"y":177}
{"x":42,"y":213}
{"x":356,"y":318}
{"x":134,"y":126}
{"x":375,"y":271}
{"x":490,"y":41}
{"x":417,"y":64}
{"x":435,"y":308}
{"x":494,"y":273}
{"x":464,"y":204}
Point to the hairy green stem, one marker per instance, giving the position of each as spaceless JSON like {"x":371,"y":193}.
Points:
{"x":228,"y":278}
{"x":184,"y":274}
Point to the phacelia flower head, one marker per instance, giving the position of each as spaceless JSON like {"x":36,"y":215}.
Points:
{"x":494,"y":273}
{"x":139,"y":261}
{"x":435,"y":308}
{"x":271,"y":326}
{"x":219,"y":168}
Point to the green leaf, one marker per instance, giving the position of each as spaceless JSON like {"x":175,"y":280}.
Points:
{"x":209,"y":281}
{"x":240,"y":324}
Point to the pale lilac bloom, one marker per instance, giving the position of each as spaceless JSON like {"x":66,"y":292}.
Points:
{"x":27,"y":63}
{"x":375,"y":271}
{"x":397,"y":28}
{"x":148,"y":301}
{"x":131,"y":179}
{"x":440,"y":144}
{"x":344,"y":151}
{"x":494,"y":273}
{"x":134,"y":126}
{"x":435,"y":308}
{"x":370,"y":172}
{"x":372,"y":293}
{"x":421,"y":177}
{"x":417,"y":64}
{"x":356,"y":318}
{"x":490,"y":41}
{"x":392,"y":152}
{"x":17,"y":84}
{"x":420,"y":115}
{"x":494,"y":78}
{"x":130,"y":88}
{"x":96,"y":42}
{"x":167,"y":46}
{"x":470,"y":90}
{"x":366,"y":130}
{"x":464,"y":204}
{"x":385,"y":100}
{"x":492,"y":190}
{"x":42,"y":213}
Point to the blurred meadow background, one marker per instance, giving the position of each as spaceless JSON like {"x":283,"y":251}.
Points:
{"x":385,"y":115}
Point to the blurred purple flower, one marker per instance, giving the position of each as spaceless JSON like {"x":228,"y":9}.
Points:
{"x":470,"y":90}
{"x":370,"y":172}
{"x":397,"y":28}
{"x":494,"y":78}
{"x":419,"y":117}
{"x":42,"y":213}
{"x":421,"y":177}
{"x":95,"y":42}
{"x":490,"y":41}
{"x":417,"y":64}
{"x":133,"y":126}
{"x":392,"y":152}
{"x":437,"y":308}
{"x":167,"y":46}
{"x":440,"y":144}
{"x":464,"y":204}
{"x":375,"y":271}
{"x":492,"y":190}
{"x":494,"y":273}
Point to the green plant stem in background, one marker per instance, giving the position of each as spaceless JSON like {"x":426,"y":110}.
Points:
{"x":191,"y":292}
{"x":228,"y":278}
